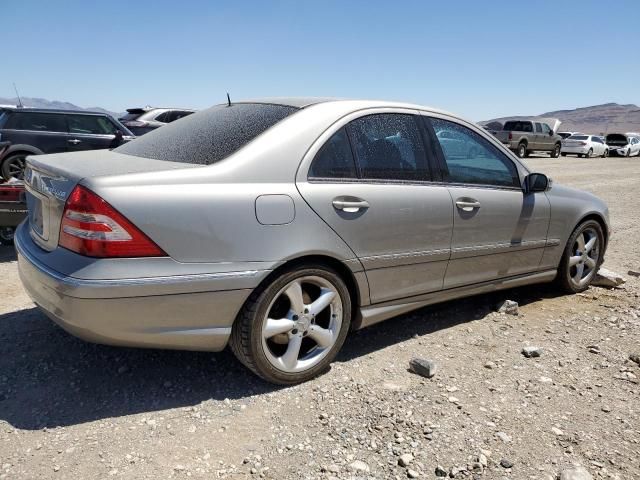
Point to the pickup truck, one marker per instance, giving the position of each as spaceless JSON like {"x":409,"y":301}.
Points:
{"x":526,"y":136}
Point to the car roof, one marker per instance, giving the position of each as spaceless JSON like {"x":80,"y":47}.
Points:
{"x":51,"y":110}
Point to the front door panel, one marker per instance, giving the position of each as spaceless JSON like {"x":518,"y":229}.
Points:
{"x":504,"y":234}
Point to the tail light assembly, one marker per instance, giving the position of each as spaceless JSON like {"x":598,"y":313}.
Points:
{"x":93,"y":228}
{"x":510,"y":136}
{"x":11,"y":193}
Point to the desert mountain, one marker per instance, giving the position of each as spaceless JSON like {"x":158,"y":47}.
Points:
{"x":598,"y":119}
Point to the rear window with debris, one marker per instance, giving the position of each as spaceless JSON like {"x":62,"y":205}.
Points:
{"x":208,"y":136}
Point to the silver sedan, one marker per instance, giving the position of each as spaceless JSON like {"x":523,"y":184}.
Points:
{"x":278,"y":225}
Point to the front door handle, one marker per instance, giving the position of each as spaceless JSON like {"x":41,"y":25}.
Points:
{"x":467,"y":204}
{"x":351,"y":205}
{"x":74,"y":141}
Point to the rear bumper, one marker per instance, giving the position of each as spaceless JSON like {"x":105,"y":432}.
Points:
{"x":12,"y":213}
{"x":89,"y":309}
{"x":576,"y":150}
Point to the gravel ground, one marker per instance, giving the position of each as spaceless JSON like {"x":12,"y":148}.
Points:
{"x":73,"y":410}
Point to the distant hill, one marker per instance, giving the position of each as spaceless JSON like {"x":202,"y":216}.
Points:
{"x":606,"y":118}
{"x":44,"y":103}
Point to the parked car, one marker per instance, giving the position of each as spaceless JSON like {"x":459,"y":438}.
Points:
{"x":525,"y":136}
{"x":585,"y":145}
{"x":623,"y":145}
{"x":13,"y":209}
{"x":34,"y":131}
{"x":143,"y":120}
{"x":278,"y":226}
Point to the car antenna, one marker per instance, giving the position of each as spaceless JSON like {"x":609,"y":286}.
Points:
{"x":228,"y":100}
{"x":20,"y":105}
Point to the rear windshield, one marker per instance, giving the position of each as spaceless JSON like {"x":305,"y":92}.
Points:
{"x":208,"y":136}
{"x":127,"y":117}
{"x":518,"y":126}
{"x":578,"y":137}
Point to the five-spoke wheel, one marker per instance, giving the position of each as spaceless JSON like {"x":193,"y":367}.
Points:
{"x":292,"y":329}
{"x":582,"y":257}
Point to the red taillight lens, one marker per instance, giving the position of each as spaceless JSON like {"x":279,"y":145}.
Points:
{"x":92,"y":227}
{"x":11,"y":193}
{"x":510,"y":136}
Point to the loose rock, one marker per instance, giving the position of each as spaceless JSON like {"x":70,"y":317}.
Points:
{"x":635,"y":357}
{"x":607,"y":279}
{"x":506,"y":463}
{"x":440,"y":471}
{"x":359,"y":466}
{"x":405,"y":460}
{"x":575,"y":473}
{"x":509,"y":307}
{"x":423,"y":367}
{"x":531,"y":352}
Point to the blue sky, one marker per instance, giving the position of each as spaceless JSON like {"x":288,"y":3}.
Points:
{"x":475,"y":58}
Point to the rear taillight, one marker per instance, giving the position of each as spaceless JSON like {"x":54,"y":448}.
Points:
{"x":92,"y":227}
{"x":510,"y":136}
{"x":11,"y":193}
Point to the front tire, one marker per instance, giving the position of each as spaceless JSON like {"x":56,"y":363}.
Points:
{"x":582,"y":257}
{"x":605,"y":154}
{"x":290,"y":330}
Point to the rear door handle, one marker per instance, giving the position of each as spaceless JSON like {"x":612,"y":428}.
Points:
{"x":350,"y":206}
{"x":467,"y":205}
{"x":74,"y":141}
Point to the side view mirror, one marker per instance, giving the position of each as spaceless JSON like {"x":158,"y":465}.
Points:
{"x":537,"y":182}
{"x":551,"y":133}
{"x":119,"y":135}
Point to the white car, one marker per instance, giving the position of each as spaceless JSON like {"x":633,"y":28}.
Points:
{"x":623,"y":145}
{"x":584,"y":145}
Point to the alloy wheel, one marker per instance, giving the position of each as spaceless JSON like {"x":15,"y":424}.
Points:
{"x":585,"y":253}
{"x":302,"y":324}
{"x":15,"y":166}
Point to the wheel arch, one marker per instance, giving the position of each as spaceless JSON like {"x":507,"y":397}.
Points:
{"x":22,"y":148}
{"x":603,"y":224}
{"x":357,"y":291}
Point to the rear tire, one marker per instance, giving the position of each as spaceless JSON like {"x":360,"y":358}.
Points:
{"x":13,"y":166}
{"x":580,"y":263}
{"x":6,"y":235}
{"x":555,"y":153}
{"x":522,"y":151}
{"x":275,"y":333}
{"x":589,"y":153}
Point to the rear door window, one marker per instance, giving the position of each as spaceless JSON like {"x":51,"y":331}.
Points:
{"x":389,"y":147}
{"x":210,"y":135}
{"x":334,"y":159}
{"x":538,"y":128}
{"x":38,"y":122}
{"x":90,"y":125}
{"x":471,"y":159}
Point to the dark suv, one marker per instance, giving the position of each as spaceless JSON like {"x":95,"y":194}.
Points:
{"x":34,"y":131}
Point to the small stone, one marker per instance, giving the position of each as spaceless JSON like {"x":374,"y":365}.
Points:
{"x":405,"y":460}
{"x":333,"y":468}
{"x":557,"y":431}
{"x":634,"y":273}
{"x":531,"y":352}
{"x":606,"y":408}
{"x":506,"y":463}
{"x":504,"y":437}
{"x":440,"y":471}
{"x":423,"y":367}
{"x":412,"y":473}
{"x":490,"y":365}
{"x":482,"y":460}
{"x":508,"y":306}
{"x":635,"y":358}
{"x":575,"y":473}
{"x":359,"y":466}
{"x":56,"y":468}
{"x":607,"y":279}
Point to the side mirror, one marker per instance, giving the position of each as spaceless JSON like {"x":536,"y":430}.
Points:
{"x":119,"y":135}
{"x":537,"y":182}
{"x":551,"y":133}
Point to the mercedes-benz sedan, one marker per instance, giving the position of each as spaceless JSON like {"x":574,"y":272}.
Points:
{"x":277,"y":226}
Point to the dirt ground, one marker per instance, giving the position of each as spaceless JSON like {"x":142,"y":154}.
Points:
{"x":73,"y":410}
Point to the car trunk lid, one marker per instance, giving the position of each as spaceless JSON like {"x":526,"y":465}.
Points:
{"x":50,"y":179}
